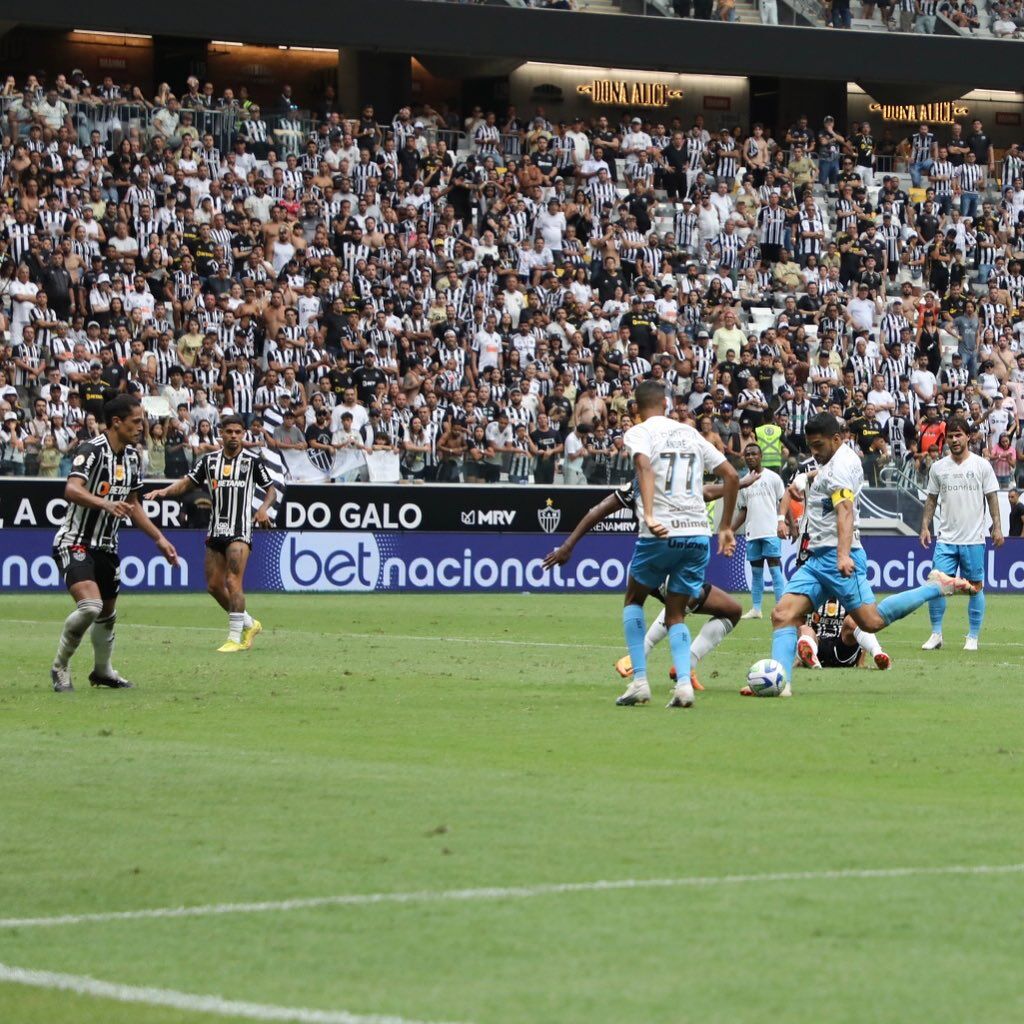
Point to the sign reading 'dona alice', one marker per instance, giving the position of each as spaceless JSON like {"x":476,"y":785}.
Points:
{"x":944,"y":112}
{"x":615,"y":92}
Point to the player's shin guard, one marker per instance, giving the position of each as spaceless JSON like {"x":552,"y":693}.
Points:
{"x":656,"y":633}
{"x":975,"y":613}
{"x":75,"y":625}
{"x":634,"y":626}
{"x":757,"y":586}
{"x":867,"y":642}
{"x":102,"y":636}
{"x":937,"y":612}
{"x":679,"y":641}
{"x":898,"y":606}
{"x":784,"y":648}
{"x":712,"y":633}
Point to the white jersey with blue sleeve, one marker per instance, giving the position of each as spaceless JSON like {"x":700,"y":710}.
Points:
{"x":962,"y":489}
{"x":679,"y":457}
{"x":840,"y":479}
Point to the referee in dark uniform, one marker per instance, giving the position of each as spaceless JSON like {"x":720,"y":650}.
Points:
{"x":232,"y":475}
{"x":102,"y":490}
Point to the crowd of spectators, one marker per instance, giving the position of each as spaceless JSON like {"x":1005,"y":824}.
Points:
{"x":485,"y":309}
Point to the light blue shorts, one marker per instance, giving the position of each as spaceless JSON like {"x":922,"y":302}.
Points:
{"x":684,"y":560}
{"x":819,"y":578}
{"x":966,"y":560}
{"x":764,"y":547}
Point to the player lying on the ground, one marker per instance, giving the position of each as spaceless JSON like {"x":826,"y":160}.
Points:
{"x":963,"y":486}
{"x":232,"y":476}
{"x":821,"y":643}
{"x":835,"y":565}
{"x":723,"y":610}
{"x":102,"y":490}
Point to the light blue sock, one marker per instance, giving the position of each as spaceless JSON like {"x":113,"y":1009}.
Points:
{"x":937,"y":612}
{"x":679,"y":641}
{"x":975,"y":613}
{"x":784,"y":648}
{"x":778,"y":582}
{"x":898,"y":606}
{"x":635,"y":627}
{"x":757,"y":585}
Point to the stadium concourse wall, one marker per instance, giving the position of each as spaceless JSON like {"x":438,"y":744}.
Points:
{"x":360,"y":539}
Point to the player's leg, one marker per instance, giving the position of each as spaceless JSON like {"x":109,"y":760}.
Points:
{"x":235,"y":558}
{"x":214,"y":568}
{"x":685,"y":585}
{"x":78,"y":571}
{"x":867,"y":642}
{"x":108,"y":579}
{"x":944,"y":558}
{"x":725,"y":612}
{"x":634,"y":627}
{"x":972,"y":568}
{"x":775,"y":568}
{"x":756,"y":579}
{"x":807,"y":647}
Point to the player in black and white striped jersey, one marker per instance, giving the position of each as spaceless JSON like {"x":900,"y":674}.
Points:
{"x":102,"y":490}
{"x":232,"y":475}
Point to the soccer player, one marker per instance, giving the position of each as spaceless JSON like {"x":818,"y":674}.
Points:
{"x":232,"y":476}
{"x":821,"y":645}
{"x":102,"y":490}
{"x":670,"y":459}
{"x":760,"y":508}
{"x":724,"y":612}
{"x":835,"y":565}
{"x":962,"y":485}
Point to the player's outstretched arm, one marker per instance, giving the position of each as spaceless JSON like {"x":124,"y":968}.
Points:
{"x":712,"y":492}
{"x":138,"y":516}
{"x":602,"y":510}
{"x":175,"y":490}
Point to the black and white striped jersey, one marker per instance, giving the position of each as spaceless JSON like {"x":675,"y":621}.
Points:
{"x":232,"y":483}
{"x":107,"y":474}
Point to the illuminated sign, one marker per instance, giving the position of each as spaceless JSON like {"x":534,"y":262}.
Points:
{"x":944,"y":112}
{"x":618,"y":93}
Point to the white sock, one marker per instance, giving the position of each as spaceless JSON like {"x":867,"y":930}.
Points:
{"x":868,"y":641}
{"x":235,"y":621}
{"x":246,"y":620}
{"x":712,"y":633}
{"x":75,"y":625}
{"x":656,"y":633}
{"x":102,"y":636}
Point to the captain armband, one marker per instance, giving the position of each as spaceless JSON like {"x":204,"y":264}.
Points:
{"x":843,"y":494}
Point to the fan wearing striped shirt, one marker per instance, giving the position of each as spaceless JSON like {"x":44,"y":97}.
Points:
{"x":232,"y":475}
{"x":102,"y":491}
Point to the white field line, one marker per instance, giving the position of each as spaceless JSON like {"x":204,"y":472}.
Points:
{"x":412,"y":636}
{"x":83,"y":985}
{"x":507,"y":893}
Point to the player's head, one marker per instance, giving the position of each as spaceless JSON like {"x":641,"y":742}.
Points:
{"x":232,"y":430}
{"x":123,"y":416}
{"x":824,"y":435}
{"x":650,"y":399}
{"x":958,"y":436}
{"x":752,"y":457}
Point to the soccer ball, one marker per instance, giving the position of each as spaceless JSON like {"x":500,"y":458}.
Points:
{"x":766,"y":678}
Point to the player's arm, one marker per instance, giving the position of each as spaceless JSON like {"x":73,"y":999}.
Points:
{"x":730,"y":488}
{"x":139,"y":518}
{"x":602,"y":510}
{"x":262,"y":517}
{"x":175,"y":490}
{"x":712,"y":492}
{"x":842,"y":502}
{"x":997,"y":521}
{"x":645,"y":479}
{"x":76,"y":492}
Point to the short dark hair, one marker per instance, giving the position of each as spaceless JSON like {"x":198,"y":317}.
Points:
{"x":824,"y":424}
{"x":650,"y":393}
{"x":958,"y":424}
{"x":232,"y":420}
{"x":120,"y":408}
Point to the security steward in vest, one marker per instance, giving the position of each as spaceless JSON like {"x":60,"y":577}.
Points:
{"x":769,"y":439}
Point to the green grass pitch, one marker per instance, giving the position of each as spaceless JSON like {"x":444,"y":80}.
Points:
{"x":376,"y":744}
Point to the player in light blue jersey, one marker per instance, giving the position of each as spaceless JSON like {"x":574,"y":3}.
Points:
{"x":835,"y":565}
{"x":963,"y":486}
{"x":670,"y":459}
